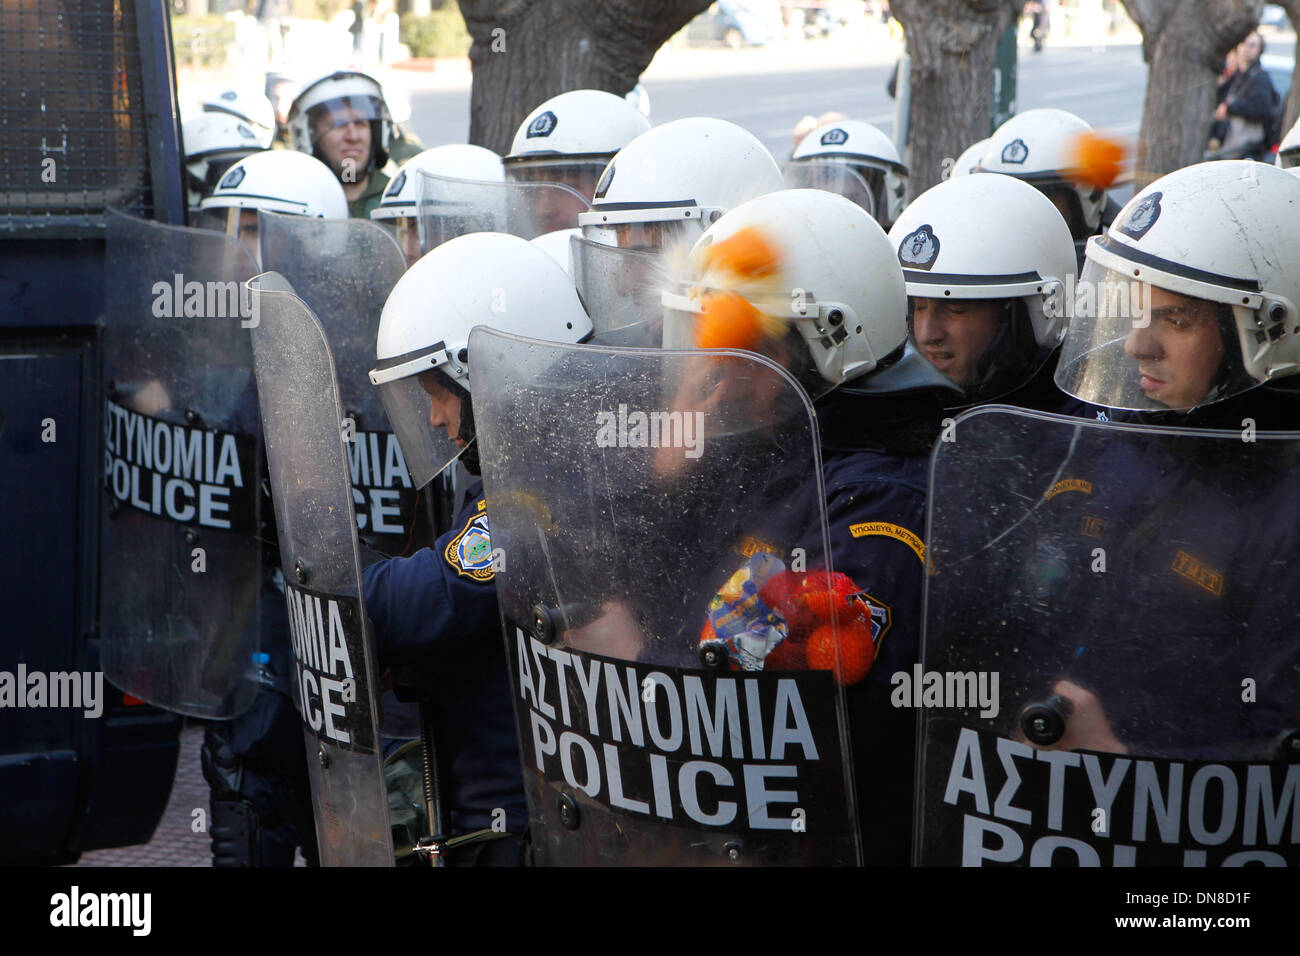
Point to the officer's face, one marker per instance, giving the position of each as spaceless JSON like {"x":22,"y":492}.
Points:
{"x":347,"y":147}
{"x":247,"y":231}
{"x":1179,"y":350}
{"x":407,"y":230}
{"x":953,"y":333}
{"x":444,"y":408}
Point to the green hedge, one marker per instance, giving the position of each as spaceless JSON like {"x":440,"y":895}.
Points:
{"x":441,"y":33}
{"x":202,"y":41}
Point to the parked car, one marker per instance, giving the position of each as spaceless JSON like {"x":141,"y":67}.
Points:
{"x":731,"y":24}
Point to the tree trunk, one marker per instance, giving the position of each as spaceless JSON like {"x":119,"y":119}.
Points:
{"x":1292,"y":113}
{"x":1184,"y":43}
{"x":952,"y":44}
{"x":526,"y":51}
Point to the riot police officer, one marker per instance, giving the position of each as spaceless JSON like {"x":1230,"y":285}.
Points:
{"x":261,"y":806}
{"x":343,"y":120}
{"x":990,"y":273}
{"x":436,"y":611}
{"x":1034,"y":146}
{"x":866,"y":151}
{"x":213,"y":143}
{"x":671,"y":182}
{"x":398,"y":209}
{"x":277,"y":181}
{"x":571,"y":138}
{"x":879,"y":406}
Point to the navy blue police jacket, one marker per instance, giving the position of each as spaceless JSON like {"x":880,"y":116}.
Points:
{"x":436,"y":611}
{"x":875,"y":506}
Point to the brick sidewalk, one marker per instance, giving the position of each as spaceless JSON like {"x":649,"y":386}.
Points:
{"x":174,"y":843}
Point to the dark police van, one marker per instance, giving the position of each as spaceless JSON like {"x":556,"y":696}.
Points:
{"x":89,"y":115}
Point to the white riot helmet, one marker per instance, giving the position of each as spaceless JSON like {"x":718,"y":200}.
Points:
{"x":213,"y":143}
{"x":337,"y":99}
{"x":969,"y":245}
{"x":275,"y":180}
{"x":969,"y":159}
{"x":248,"y":105}
{"x":1193,"y":294}
{"x":483,"y":278}
{"x":817,"y":275}
{"x":869,"y":153}
{"x":571,"y":138}
{"x":1288,"y":151}
{"x":675,"y":180}
{"x":399,"y":206}
{"x":556,"y":245}
{"x":1035,"y":146}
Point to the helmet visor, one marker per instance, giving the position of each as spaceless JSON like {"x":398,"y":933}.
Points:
{"x":1134,"y":345}
{"x":426,"y":416}
{"x":644,"y":236}
{"x":343,"y":110}
{"x":832,"y":178}
{"x":620,"y":289}
{"x":724,"y":320}
{"x":579,"y":174}
{"x":986,"y":346}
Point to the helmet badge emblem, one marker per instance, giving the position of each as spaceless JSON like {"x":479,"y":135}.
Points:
{"x":543,"y":125}
{"x":1143,"y":217}
{"x":1015,"y":152}
{"x":834,"y":137}
{"x":919,"y":248}
{"x":232,"y":178}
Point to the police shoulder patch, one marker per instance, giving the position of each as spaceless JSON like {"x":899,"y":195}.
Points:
{"x":919,"y":248}
{"x":232,"y":178}
{"x":1015,"y":152}
{"x":1143,"y":216}
{"x":834,"y":137}
{"x":542,"y":125}
{"x":887,"y":529}
{"x":882,"y":616}
{"x":470,"y":552}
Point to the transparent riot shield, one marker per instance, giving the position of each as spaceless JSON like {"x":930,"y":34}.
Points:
{"x":657,"y":518}
{"x":833,"y":178}
{"x":450,"y":207}
{"x":333,"y":652}
{"x":1112,"y":632}
{"x":344,"y":270}
{"x":620,"y":288}
{"x":180,"y":559}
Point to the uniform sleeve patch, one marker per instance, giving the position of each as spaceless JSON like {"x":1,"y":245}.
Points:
{"x":470,"y":552}
{"x":882,"y":617}
{"x":1198,"y":572}
{"x":1069,"y":484}
{"x":869,"y":528}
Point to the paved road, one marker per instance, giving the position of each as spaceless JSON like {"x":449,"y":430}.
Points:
{"x":1103,"y":85}
{"x":174,"y":843}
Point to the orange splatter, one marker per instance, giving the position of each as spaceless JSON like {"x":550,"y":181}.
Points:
{"x":727,"y":321}
{"x":1095,"y":160}
{"x":746,"y":253}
